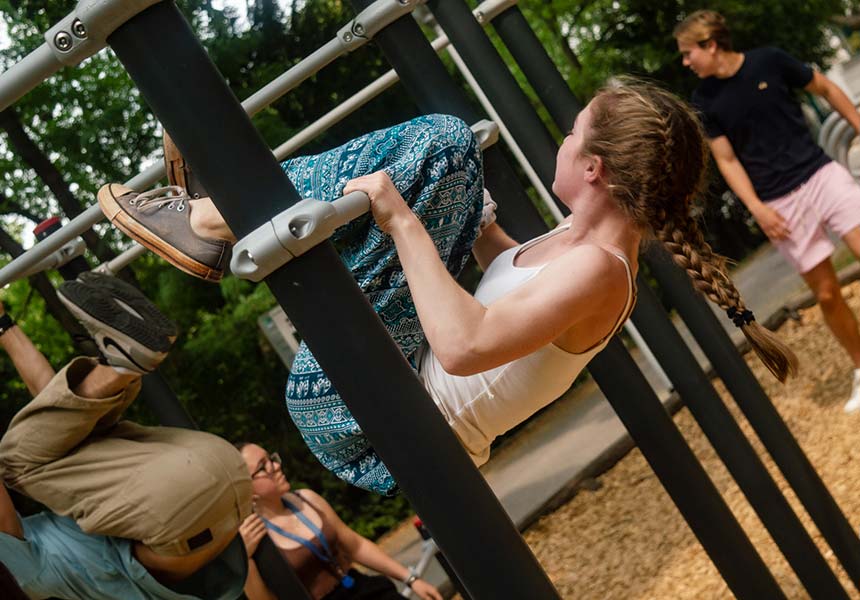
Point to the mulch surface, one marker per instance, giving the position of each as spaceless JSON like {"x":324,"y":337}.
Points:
{"x":626,"y":540}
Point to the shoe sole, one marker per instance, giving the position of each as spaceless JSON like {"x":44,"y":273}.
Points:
{"x":119,"y":334}
{"x":119,"y":217}
{"x":134,"y":298}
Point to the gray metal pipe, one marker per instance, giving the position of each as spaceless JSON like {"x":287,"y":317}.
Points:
{"x":26,"y":74}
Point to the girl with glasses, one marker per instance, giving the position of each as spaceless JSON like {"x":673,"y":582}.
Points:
{"x":314,"y":541}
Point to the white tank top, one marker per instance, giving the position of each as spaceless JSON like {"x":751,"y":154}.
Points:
{"x":485,"y":405}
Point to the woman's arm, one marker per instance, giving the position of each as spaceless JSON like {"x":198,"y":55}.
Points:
{"x":492,"y":242}
{"x":252,"y":530}
{"x":468,"y":337}
{"x":366,"y":553}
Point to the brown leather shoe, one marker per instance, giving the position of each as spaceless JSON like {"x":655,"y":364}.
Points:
{"x":160,"y":220}
{"x":178,"y":171}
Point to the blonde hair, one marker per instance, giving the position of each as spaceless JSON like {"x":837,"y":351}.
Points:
{"x":655,"y":156}
{"x":702,"y":26}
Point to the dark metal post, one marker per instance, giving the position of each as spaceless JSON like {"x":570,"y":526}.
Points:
{"x":499,"y":85}
{"x":694,"y":387}
{"x":424,"y":76}
{"x":324,"y":303}
{"x":537,"y":66}
{"x":443,"y":562}
{"x":759,"y":410}
{"x":681,"y":474}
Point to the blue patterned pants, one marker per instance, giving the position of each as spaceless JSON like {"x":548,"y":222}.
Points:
{"x":435,"y":163}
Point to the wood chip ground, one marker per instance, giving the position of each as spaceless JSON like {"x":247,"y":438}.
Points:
{"x":627,"y":540}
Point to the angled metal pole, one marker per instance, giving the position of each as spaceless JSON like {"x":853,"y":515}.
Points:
{"x":736,"y":452}
{"x":682,"y":475}
{"x":426,"y":79}
{"x":329,"y":310}
{"x":537,"y":66}
{"x":494,"y":77}
{"x":369,"y":21}
{"x":758,"y":409}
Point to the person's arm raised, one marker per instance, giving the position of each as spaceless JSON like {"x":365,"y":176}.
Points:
{"x":32,"y":366}
{"x":770,"y":221}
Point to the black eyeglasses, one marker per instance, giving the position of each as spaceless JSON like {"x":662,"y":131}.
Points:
{"x":268,"y":466}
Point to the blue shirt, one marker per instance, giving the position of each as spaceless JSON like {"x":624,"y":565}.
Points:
{"x":57,"y":559}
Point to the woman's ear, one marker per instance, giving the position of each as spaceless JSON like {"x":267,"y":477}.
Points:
{"x":593,"y":169}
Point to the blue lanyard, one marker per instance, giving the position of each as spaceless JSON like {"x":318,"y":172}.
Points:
{"x":325,"y":555}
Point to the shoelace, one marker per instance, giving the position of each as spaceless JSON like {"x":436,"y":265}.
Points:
{"x":169,"y":196}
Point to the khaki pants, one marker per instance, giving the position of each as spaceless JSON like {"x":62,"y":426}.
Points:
{"x":172,"y":489}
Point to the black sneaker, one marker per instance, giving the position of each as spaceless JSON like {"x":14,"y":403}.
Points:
{"x":128,"y":329}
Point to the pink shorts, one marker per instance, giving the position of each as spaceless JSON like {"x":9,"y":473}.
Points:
{"x":830,"y":198}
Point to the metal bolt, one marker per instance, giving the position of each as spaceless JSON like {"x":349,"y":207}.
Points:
{"x":79,"y":29}
{"x":358,"y":28}
{"x":480,"y":16}
{"x":63,"y":41}
{"x":347,"y":37}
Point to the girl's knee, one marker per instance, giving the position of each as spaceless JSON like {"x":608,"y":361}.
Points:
{"x":451,"y":131}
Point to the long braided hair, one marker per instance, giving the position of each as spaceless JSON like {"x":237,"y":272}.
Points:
{"x":655,"y":157}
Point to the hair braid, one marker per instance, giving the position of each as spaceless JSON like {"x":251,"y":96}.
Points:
{"x":707,"y":271}
{"x":655,"y":157}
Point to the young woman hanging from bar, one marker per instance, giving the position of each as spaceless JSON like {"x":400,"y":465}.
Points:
{"x":629,"y":170}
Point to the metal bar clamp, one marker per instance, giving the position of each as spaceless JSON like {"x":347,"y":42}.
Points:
{"x":292,"y":233}
{"x":372,"y":19}
{"x":85,"y":30}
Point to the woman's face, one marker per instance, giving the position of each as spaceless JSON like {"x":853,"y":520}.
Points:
{"x":267,"y":479}
{"x":701,"y":61}
{"x":570,"y":165}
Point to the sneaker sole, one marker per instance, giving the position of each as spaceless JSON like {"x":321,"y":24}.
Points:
{"x":135,"y":299}
{"x":116,"y":215}
{"x":119,"y":335}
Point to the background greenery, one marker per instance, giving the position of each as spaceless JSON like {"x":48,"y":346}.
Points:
{"x":87,"y":126}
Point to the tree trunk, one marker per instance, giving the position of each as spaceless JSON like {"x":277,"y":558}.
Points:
{"x":33,"y":156}
{"x":42,"y":284}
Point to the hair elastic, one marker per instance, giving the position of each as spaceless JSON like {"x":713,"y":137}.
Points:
{"x":741,"y":318}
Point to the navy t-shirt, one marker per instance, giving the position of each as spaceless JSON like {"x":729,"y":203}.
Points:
{"x":757,"y":110}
